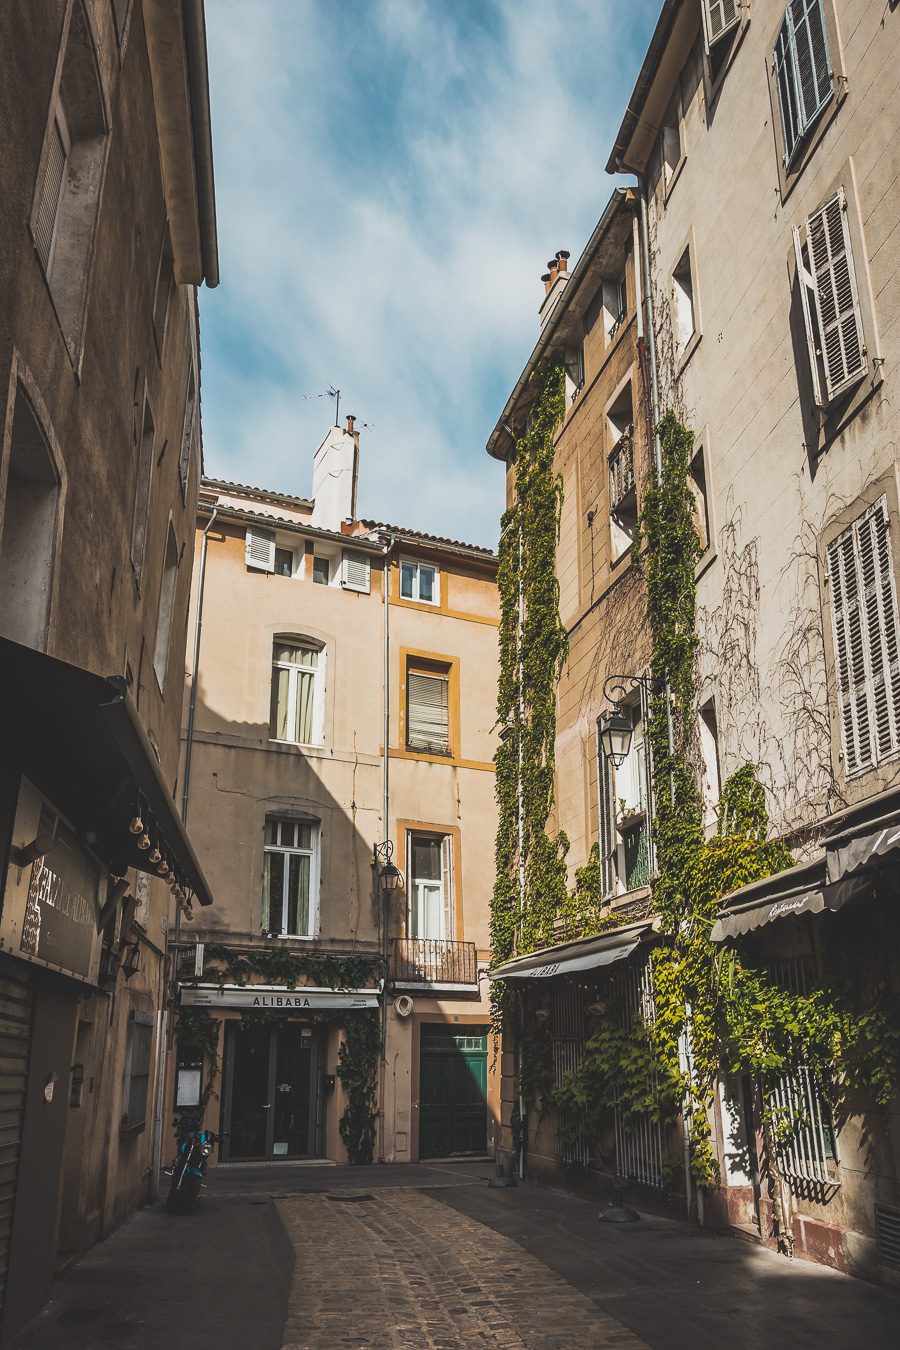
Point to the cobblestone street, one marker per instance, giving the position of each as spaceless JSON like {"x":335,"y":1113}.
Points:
{"x":429,"y":1257}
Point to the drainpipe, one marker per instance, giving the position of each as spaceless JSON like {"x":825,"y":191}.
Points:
{"x":385,"y":818}
{"x":167,"y":1024}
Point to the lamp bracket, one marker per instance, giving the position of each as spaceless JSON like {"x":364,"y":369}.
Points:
{"x":616,"y":688}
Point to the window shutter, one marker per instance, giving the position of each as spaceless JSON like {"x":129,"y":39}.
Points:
{"x":427,"y":715}
{"x":47,"y":205}
{"x":719,"y":17}
{"x":865,"y":624}
{"x":259,"y":549}
{"x":355,"y":572}
{"x":807,"y":285}
{"x":813,"y":66}
{"x":607,"y":838}
{"x":447,"y":886}
{"x":837,"y":298}
{"x":786,"y":81}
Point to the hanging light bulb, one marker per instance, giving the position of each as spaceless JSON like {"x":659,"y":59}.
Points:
{"x":154,"y":855}
{"x":144,"y":842}
{"x":189,"y":913}
{"x":163,"y":869}
{"x":136,"y":825}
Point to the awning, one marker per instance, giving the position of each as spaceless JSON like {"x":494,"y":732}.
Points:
{"x":274,"y":998}
{"x":745,"y":918}
{"x":79,"y":739}
{"x":855,"y":849}
{"x":587,"y":954}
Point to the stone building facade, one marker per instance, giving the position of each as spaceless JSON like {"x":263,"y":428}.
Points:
{"x":106,"y":229}
{"x":764,"y":145}
{"x":341,"y":697}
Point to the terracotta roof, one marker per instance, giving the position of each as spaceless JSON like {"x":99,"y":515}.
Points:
{"x":249,"y":491}
{"x":427,"y":538}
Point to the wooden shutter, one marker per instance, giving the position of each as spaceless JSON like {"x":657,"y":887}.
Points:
{"x":811,"y":58}
{"x":355,"y":572}
{"x":606,"y":832}
{"x":52,"y":177}
{"x":785,"y":67}
{"x":807,"y":284}
{"x":259,"y":549}
{"x":719,"y":17}
{"x":427,"y":712}
{"x":865,"y":625}
{"x":837,"y":298}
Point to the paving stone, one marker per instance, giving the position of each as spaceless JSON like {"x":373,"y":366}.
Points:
{"x":401,"y":1271}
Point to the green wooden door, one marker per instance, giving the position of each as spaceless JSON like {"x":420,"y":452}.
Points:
{"x":453,"y":1092}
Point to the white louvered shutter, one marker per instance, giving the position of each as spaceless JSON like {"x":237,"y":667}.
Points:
{"x":785,"y":66}
{"x":864,"y":615}
{"x":807,"y":284}
{"x":52,"y":177}
{"x":355,"y":572}
{"x":837,"y":298}
{"x":811,"y":56}
{"x":259,"y":549}
{"x":607,"y":837}
{"x":427,"y":712}
{"x":719,"y":17}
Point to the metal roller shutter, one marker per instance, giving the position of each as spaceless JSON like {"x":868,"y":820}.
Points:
{"x":16,"y":1002}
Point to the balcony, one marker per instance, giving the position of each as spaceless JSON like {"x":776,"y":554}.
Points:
{"x":430,"y":963}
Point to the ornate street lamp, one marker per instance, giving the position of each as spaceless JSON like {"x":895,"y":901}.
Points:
{"x":614,"y":728}
{"x":389,"y":876}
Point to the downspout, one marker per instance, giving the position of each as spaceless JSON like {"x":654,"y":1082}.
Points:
{"x":385,"y":818}
{"x":167,"y":1040}
{"x":658,"y":466}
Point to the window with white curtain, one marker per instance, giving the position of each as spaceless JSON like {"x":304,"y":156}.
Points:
{"x":296,"y":713}
{"x":430,"y":898}
{"x":290,"y":877}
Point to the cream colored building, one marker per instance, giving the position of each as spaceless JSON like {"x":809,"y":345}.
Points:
{"x":764,"y":134}
{"x":309,"y":666}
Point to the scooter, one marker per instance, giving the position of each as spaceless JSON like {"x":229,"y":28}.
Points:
{"x":189,"y":1169}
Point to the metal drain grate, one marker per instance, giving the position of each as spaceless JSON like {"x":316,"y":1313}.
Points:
{"x":349,"y":1199}
{"x":887,"y":1235}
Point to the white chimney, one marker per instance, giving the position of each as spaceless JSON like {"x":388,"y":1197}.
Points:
{"x":335,"y":471}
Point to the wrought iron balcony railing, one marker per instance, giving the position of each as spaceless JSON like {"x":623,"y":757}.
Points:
{"x":425,"y":963}
{"x":621,"y":469}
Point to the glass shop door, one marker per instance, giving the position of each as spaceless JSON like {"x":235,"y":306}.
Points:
{"x":269,"y":1102}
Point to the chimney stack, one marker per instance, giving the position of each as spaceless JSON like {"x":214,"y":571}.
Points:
{"x":555,"y":279}
{"x":335,"y":476}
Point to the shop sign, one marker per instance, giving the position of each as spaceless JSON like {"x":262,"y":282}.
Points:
{"x":51,"y":901}
{"x":275,"y":1000}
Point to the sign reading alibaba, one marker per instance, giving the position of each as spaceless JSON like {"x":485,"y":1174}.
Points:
{"x":51,"y":901}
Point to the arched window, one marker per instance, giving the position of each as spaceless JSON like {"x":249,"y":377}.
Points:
{"x":298,"y":676}
{"x":28,"y":543}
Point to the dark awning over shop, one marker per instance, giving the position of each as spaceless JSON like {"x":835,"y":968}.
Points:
{"x":861,"y":847}
{"x":78,"y":737}
{"x":586,"y":954}
{"x":744,"y":918}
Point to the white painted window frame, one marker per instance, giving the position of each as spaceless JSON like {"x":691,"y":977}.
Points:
{"x":294,"y":671}
{"x":314,"y":854}
{"x":416,"y":596}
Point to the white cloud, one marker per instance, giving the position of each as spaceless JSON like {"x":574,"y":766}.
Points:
{"x":391,"y":178}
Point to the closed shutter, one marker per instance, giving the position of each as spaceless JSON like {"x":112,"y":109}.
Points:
{"x":865,"y":625}
{"x":802,"y":70}
{"x":259,"y":549}
{"x":355,"y":572}
{"x":719,"y":17}
{"x":15,"y":1038}
{"x":140,"y":1035}
{"x":837,"y":297}
{"x":52,"y":177}
{"x":427,"y":715}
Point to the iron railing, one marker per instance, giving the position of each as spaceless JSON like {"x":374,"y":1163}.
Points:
{"x":432,"y":961}
{"x":621,"y":469}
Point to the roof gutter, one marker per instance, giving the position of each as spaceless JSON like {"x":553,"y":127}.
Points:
{"x":201,"y":124}
{"x":545,"y":340}
{"x":658,"y":42}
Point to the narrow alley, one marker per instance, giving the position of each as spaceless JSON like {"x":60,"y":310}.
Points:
{"x":428,"y":1257}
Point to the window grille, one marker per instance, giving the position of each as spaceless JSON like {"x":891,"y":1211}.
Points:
{"x":640,"y":1137}
{"x":621,"y":469}
{"x":805,"y":1141}
{"x":573,"y":1143}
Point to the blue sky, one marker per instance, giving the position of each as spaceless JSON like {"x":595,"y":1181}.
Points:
{"x":391,"y":177}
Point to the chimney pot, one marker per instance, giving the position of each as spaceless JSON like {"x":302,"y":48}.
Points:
{"x":351,"y":419}
{"x":546,"y":280}
{"x":562,"y":259}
